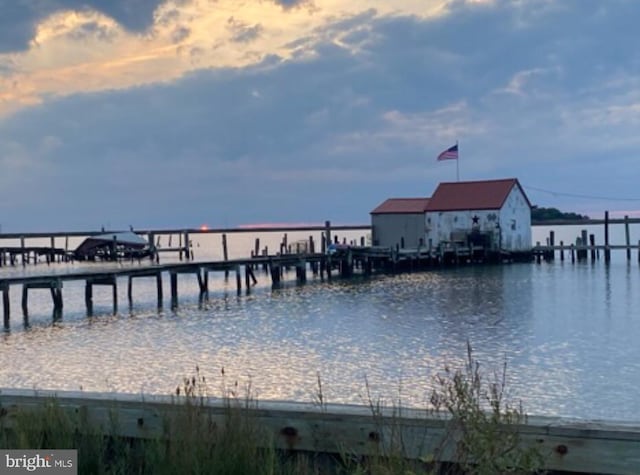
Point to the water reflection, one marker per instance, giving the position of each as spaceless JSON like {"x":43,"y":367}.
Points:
{"x":567,"y":331}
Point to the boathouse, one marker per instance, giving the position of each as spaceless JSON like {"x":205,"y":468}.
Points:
{"x":399,"y":222}
{"x":493,"y":213}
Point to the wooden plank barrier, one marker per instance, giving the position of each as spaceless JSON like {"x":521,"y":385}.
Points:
{"x":569,"y":445}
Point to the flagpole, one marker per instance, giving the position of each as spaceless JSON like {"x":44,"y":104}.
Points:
{"x":457,"y":163}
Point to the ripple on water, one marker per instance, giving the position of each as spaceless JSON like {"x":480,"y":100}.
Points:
{"x":566,"y":333}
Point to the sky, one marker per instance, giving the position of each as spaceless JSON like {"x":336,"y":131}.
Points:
{"x":179,"y":113}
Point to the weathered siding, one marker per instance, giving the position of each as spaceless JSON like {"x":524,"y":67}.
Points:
{"x":389,"y":229}
{"x":446,"y":226}
{"x":509,"y":227}
{"x":515,"y":221}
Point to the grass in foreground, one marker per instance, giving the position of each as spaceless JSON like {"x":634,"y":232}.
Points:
{"x":481,"y":434}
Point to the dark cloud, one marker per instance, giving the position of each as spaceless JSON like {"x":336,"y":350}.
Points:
{"x":93,"y":30}
{"x":243,"y":33}
{"x":293,"y":3}
{"x":18,"y":18}
{"x":528,"y":93}
{"x":180,"y":34}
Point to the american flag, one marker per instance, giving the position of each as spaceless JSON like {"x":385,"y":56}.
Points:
{"x":449,"y":154}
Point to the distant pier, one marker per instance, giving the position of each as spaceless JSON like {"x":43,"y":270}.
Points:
{"x":585,"y":245}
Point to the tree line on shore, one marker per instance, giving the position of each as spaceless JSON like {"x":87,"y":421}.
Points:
{"x":539,"y":213}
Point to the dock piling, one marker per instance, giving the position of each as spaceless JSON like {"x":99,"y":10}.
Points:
{"x":607,"y":251}
{"x":88,"y":297}
{"x":225,"y":255}
{"x":327,"y":234}
{"x":159,"y":288}
{"x":5,"y":304}
{"x":627,"y":239}
{"x":173,"y":276}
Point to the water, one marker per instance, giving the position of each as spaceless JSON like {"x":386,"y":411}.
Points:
{"x":568,"y":332}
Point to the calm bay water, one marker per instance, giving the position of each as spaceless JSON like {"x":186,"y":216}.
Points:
{"x":568,"y":332}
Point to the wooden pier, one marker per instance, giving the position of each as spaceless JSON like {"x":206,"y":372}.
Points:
{"x":343,"y":261}
{"x":585,"y":245}
{"x":568,"y":446}
{"x":334,"y":258}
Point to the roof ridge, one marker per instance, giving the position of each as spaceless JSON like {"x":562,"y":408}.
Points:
{"x":491,"y":180}
{"x":416,"y":198}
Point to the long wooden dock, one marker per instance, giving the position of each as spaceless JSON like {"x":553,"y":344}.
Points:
{"x":568,"y":446}
{"x":344,"y":261}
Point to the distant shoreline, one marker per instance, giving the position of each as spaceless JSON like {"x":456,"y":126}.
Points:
{"x":281,"y":228}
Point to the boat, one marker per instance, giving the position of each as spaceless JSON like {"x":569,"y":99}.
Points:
{"x":113,"y":246}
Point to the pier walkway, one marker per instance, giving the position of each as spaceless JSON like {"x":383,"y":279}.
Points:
{"x":344,"y":261}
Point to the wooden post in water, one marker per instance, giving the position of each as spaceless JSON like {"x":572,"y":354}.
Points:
{"x":327,"y":234}
{"x":238,"y":281}
{"x":627,"y":240}
{"x":592,"y":243}
{"x":256,"y":251}
{"x":247,"y":284}
{"x":88,"y":297}
{"x":56,"y":294}
{"x":205,"y":281}
{"x":607,"y":251}
{"x":174,"y":289}
{"x":312,"y":250}
{"x":5,"y":304}
{"x":265,"y":264}
{"x":130,"y":290}
{"x":573,"y":255}
{"x":582,"y":255}
{"x":275,"y":273}
{"x":152,"y":246}
{"x":561,"y":251}
{"x":159,"y":288}
{"x":188,"y":250}
{"x":552,"y":241}
{"x":115,"y":295}
{"x":225,"y":256}
{"x":301,"y":272}
{"x":22,"y":246}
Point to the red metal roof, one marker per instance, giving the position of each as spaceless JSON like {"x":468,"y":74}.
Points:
{"x":464,"y":195}
{"x":402,"y":206}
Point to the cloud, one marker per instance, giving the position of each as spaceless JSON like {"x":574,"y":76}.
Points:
{"x":323,"y":122}
{"x":294,"y":3}
{"x":243,"y":33}
{"x":91,"y":48}
{"x":19,"y":18}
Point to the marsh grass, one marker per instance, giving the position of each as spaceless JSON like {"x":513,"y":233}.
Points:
{"x":482,"y":426}
{"x":481,"y":431}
